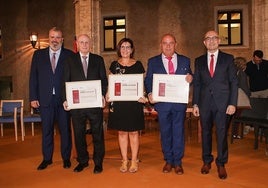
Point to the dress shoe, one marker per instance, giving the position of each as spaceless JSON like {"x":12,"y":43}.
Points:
{"x":178,"y":170}
{"x":222,"y":172}
{"x":66,"y":163}
{"x":205,"y":168}
{"x":167,"y":168}
{"x":44,"y":164}
{"x":97,"y":169}
{"x":80,"y":167}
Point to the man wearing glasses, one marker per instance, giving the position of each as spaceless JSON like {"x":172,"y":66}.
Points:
{"x":215,"y":88}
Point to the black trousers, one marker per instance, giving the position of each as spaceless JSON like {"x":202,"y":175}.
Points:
{"x":51,"y":114}
{"x":79,"y":119}
{"x":221,"y":121}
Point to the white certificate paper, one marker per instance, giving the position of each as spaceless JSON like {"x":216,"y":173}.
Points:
{"x":125,"y":87}
{"x":84,"y":94}
{"x":170,"y":88}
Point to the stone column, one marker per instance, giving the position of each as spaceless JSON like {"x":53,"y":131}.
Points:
{"x":260,"y":25}
{"x":96,"y":24}
{"x":87,"y":20}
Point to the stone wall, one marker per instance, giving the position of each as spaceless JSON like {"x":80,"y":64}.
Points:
{"x":188,"y":20}
{"x":147,"y":21}
{"x":18,"y":19}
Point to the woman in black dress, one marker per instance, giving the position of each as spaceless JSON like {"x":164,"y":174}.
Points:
{"x":127,"y":116}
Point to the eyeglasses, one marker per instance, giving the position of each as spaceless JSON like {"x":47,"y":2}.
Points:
{"x":214,"y":38}
{"x":125,"y":47}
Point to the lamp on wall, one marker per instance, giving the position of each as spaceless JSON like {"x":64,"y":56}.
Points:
{"x":33,"y":38}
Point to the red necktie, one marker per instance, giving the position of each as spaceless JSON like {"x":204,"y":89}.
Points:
{"x":211,"y":65}
{"x":84,"y":62}
{"x":170,"y":66}
{"x":53,"y":62}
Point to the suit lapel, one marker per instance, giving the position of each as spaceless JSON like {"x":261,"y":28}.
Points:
{"x":80,"y":64}
{"x":177,"y":63}
{"x":205,"y":63}
{"x":163,"y":70}
{"x":218,"y":64}
{"x":60,"y":60}
{"x":47,"y":59}
{"x":61,"y":56}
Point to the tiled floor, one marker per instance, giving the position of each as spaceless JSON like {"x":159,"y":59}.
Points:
{"x":18,"y":161}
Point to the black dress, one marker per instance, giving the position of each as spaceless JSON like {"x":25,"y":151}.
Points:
{"x":126,"y":115}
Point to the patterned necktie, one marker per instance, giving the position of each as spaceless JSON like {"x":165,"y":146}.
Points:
{"x":84,"y":62}
{"x":211,"y":65}
{"x":53,"y":62}
{"x":170,"y":66}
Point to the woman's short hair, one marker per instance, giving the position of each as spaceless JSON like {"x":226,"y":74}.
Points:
{"x":240,"y":63}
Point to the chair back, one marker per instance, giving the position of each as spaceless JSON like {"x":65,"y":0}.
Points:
{"x":259,"y":109}
{"x":7,"y":107}
{"x":32,"y":118}
{"x":10,"y":112}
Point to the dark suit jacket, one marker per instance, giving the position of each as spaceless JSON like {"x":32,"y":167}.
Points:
{"x":42,"y":79}
{"x":258,"y":77}
{"x":223,"y":86}
{"x":156,"y":66}
{"x":73,"y":71}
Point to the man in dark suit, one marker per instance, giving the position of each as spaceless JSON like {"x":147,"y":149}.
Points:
{"x":170,"y":115}
{"x":94,"y":70}
{"x":45,"y":93}
{"x":214,"y":98}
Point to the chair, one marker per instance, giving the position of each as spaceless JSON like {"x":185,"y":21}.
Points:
{"x":33,"y":117}
{"x":150,"y":115}
{"x":10,"y":112}
{"x":257,"y":116}
{"x":189,"y":119}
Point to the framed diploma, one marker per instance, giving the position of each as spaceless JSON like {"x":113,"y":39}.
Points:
{"x":125,"y":87}
{"x":84,"y":94}
{"x":170,"y":88}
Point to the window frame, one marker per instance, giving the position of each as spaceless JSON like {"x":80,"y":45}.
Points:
{"x":229,"y":22}
{"x":113,"y":27}
{"x":244,"y":25}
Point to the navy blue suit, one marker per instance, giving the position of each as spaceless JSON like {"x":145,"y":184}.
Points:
{"x":73,"y":71}
{"x":42,"y":82}
{"x":213,"y":95}
{"x":171,"y":116}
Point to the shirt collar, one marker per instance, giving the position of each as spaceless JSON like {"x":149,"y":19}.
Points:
{"x":57,"y":52}
{"x":83,"y":55}
{"x":215,"y":53}
{"x":164,"y":57}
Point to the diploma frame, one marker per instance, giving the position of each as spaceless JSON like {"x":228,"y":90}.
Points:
{"x":84,"y":94}
{"x":170,"y":88}
{"x":125,"y":87}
